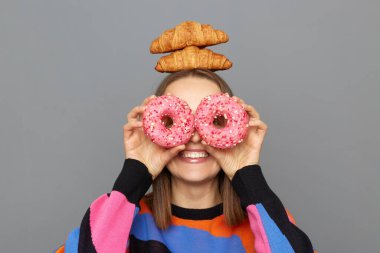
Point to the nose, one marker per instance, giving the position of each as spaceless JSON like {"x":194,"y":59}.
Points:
{"x":195,"y":138}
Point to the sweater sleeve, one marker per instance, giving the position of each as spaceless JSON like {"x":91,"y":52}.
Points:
{"x":107,"y":222}
{"x":269,"y":221}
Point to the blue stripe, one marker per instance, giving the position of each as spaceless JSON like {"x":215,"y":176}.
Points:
{"x":277,"y":240}
{"x":71,"y":245}
{"x":137,"y":209}
{"x":182,"y":239}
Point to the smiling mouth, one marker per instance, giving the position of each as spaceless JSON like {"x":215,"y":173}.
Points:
{"x":193,"y":154}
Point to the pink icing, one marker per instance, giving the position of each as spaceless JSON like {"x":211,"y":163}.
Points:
{"x":236,"y":127}
{"x":175,"y":108}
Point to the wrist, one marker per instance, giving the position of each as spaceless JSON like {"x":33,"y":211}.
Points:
{"x":242,"y":165}
{"x":251,"y":161}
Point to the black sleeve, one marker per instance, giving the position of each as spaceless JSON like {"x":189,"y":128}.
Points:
{"x":259,"y":200}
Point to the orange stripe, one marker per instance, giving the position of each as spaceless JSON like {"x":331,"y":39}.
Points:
{"x":290,"y":216}
{"x":218,"y":227}
{"x":144,"y":208}
{"x":60,"y":249}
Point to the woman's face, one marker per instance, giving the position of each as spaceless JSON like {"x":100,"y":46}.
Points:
{"x":195,"y":170}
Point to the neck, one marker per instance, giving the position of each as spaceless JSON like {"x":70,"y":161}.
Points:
{"x":195,"y":196}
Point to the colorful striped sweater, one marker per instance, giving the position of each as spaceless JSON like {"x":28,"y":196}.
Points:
{"x":121,"y":222}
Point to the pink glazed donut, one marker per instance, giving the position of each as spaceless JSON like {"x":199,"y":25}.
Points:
{"x":236,"y":121}
{"x":163,"y":109}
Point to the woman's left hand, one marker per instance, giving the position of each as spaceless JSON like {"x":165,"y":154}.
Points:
{"x":248,"y":151}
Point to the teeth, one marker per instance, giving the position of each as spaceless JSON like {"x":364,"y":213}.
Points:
{"x":194,"y":154}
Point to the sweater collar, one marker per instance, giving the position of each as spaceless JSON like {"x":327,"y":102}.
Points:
{"x":197,"y":214}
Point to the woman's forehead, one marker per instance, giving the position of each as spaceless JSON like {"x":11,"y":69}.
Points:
{"x":192,"y":90}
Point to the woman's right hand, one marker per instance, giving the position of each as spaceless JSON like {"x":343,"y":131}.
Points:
{"x":139,"y":146}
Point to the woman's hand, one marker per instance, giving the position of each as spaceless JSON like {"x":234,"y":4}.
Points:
{"x":138,"y":146}
{"x":248,"y":151}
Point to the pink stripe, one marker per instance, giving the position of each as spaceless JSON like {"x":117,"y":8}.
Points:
{"x":110,"y":221}
{"x":261,"y":240}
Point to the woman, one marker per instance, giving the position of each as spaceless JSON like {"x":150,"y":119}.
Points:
{"x":203,"y":200}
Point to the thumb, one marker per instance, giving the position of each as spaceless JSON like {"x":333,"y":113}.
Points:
{"x":211,"y":150}
{"x":175,"y":150}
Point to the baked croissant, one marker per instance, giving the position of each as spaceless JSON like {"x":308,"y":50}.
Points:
{"x":192,"y":57}
{"x":188,"y":33}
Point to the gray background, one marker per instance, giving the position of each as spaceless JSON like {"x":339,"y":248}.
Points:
{"x":70,"y":71}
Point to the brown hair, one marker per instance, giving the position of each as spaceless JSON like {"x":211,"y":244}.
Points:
{"x":159,"y":200}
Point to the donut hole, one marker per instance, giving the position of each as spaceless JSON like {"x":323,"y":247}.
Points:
{"x":167,"y":121}
{"x":220,"y":121}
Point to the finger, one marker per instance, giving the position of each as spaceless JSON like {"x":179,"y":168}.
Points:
{"x":146,"y":100}
{"x":239,"y":100}
{"x":127,"y":131}
{"x":132,"y":115}
{"x":251,"y":111}
{"x":211,"y":150}
{"x":207,"y":147}
{"x":130,"y":126}
{"x":258,"y":123}
{"x":175,"y":150}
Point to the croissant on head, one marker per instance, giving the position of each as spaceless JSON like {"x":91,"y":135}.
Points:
{"x":192,"y":57}
{"x":188,"y":33}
